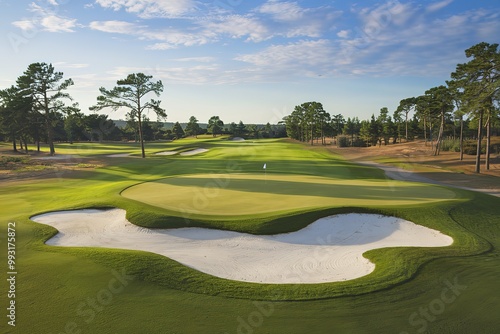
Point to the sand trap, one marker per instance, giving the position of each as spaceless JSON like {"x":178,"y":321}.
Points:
{"x":194,"y":152}
{"x":167,"y":153}
{"x":238,"y":139}
{"x":328,"y":250}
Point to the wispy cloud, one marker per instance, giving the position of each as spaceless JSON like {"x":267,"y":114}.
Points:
{"x":302,"y":58}
{"x":63,"y":64}
{"x":117,"y":27}
{"x":148,"y":9}
{"x":438,"y":5}
{"x":343,"y":33}
{"x":165,"y":38}
{"x":281,"y":10}
{"x":403,"y":39}
{"x":45,"y":19}
{"x":238,"y":26}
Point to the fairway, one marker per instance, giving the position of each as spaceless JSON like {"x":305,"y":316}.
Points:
{"x":228,"y":200}
{"x":253,"y":194}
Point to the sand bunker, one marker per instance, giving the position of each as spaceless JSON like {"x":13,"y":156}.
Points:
{"x":327,"y":250}
{"x":167,"y":153}
{"x":194,"y":152}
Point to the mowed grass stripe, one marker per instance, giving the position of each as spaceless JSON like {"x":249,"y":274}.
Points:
{"x":253,"y":194}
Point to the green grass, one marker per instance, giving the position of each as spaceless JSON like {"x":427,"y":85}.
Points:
{"x":56,"y":286}
{"x":257,"y":195}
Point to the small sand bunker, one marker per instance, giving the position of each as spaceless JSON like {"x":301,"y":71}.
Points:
{"x":194,"y":152}
{"x":237,"y":139}
{"x":167,"y":153}
{"x":328,"y":250}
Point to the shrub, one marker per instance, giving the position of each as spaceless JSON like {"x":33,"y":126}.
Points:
{"x":452,"y":145}
{"x":343,"y":141}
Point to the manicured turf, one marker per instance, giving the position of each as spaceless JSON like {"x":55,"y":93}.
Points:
{"x":70,"y":290}
{"x":254,"y":194}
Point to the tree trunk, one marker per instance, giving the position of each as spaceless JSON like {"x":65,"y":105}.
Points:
{"x":50,"y":136}
{"x":461,"y":138}
{"x":479,"y":134}
{"x":25,"y":144}
{"x":440,"y":136}
{"x":141,"y":139}
{"x":425,"y":132}
{"x":406,"y":125}
{"x":14,"y":144}
{"x":431,"y":139}
{"x":488,"y":142}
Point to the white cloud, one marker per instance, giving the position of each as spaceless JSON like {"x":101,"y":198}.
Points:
{"x":237,"y":26}
{"x":46,"y":20}
{"x":438,"y":5}
{"x":54,"y":23}
{"x":289,"y":19}
{"x":343,"y":33}
{"x":25,"y":25}
{"x":282,"y":11}
{"x":302,"y":56}
{"x":151,"y":8}
{"x":166,"y":38}
{"x":117,"y":27}
{"x":395,"y":39}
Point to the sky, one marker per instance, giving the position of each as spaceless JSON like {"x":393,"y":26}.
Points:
{"x":248,"y":60}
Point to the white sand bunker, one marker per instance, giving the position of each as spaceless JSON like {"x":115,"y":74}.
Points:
{"x":327,"y":250}
{"x":167,"y":153}
{"x":194,"y":152}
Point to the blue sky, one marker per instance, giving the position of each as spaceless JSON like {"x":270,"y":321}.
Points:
{"x":249,"y":60}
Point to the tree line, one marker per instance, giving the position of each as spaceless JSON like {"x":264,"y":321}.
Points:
{"x":466,"y":106}
{"x":36,"y":110}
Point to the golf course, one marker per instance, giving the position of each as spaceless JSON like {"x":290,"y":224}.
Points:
{"x":300,"y":204}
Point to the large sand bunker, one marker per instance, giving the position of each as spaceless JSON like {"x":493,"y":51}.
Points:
{"x":327,"y":250}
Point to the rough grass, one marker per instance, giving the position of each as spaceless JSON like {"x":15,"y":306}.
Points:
{"x":58,"y":286}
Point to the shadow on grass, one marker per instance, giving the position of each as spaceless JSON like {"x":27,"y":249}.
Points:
{"x":370,"y":190}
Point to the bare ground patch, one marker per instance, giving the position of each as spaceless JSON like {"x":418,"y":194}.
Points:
{"x":418,"y":158}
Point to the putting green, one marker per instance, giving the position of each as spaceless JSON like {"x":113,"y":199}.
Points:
{"x":253,"y":194}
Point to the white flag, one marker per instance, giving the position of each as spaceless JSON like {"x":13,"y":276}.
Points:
{"x":264,"y":166}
